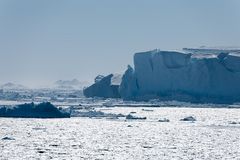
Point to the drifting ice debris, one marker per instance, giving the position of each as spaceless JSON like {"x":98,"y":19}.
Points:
{"x":90,"y":114}
{"x":96,"y":114}
{"x":147,"y":110}
{"x":135,"y":118}
{"x":106,"y":87}
{"x":41,"y":152}
{"x":164,"y":120}
{"x":190,"y":118}
{"x":8,"y":138}
{"x":210,"y":76}
{"x":233,"y":122}
{"x":31,"y":110}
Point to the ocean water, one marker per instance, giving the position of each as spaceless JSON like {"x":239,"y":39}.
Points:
{"x":215,"y":135}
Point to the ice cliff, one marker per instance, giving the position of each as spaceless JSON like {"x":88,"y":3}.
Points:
{"x":199,"y":76}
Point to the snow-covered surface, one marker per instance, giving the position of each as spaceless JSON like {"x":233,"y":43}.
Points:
{"x":212,"y":136}
{"x":116,"y":79}
{"x":173,"y":75}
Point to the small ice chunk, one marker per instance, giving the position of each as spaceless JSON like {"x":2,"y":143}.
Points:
{"x":234,"y":122}
{"x":147,"y":110}
{"x":8,"y":138}
{"x":135,"y":118}
{"x":190,"y":118}
{"x":164,"y":120}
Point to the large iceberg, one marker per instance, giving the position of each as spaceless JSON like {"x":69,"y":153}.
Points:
{"x":106,"y":87}
{"x":195,"y":75}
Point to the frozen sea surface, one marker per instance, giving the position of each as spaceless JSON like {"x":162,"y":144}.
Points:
{"x":212,"y":136}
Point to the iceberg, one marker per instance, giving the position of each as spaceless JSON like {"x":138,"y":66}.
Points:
{"x":106,"y":87}
{"x":31,"y":110}
{"x":193,"y":75}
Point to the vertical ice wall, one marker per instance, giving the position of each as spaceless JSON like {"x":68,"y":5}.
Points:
{"x":183,"y":76}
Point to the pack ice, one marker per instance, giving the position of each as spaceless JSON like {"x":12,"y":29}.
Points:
{"x":211,"y":75}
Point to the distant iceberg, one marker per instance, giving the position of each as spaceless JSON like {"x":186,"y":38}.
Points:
{"x":194,"y":75}
{"x":31,"y":110}
{"x":12,"y":86}
{"x":70,"y":84}
{"x":106,"y":87}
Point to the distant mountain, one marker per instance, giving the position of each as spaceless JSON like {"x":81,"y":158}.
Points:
{"x":12,"y":86}
{"x":70,"y":84}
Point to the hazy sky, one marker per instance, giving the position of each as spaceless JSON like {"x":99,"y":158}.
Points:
{"x":45,"y":40}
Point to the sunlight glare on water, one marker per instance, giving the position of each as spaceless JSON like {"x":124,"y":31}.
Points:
{"x":212,"y":136}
